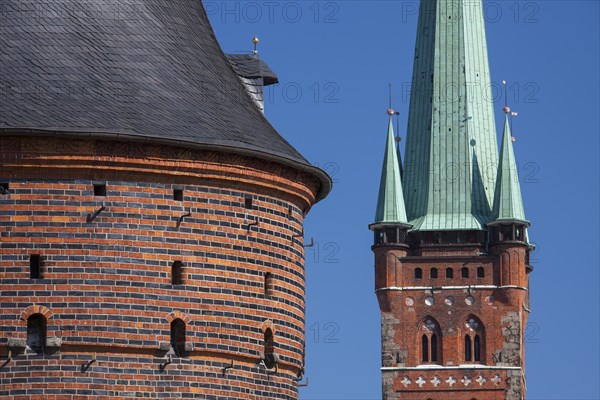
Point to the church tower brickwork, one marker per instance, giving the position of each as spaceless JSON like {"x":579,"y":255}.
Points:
{"x":450,"y":234}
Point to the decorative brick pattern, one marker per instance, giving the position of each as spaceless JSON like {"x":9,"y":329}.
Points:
{"x":106,"y":263}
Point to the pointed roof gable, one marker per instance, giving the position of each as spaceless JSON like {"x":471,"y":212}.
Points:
{"x":508,"y":204}
{"x":390,"y":205}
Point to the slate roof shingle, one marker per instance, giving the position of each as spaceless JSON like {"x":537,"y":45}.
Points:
{"x":148,"y":69}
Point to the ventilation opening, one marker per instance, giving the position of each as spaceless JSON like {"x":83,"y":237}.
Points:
{"x":449,"y":273}
{"x":178,"y":336}
{"x":248,"y":202}
{"x":176,"y":269}
{"x":35,"y":270}
{"x":36,"y":332}
{"x":4,"y":187}
{"x":99,"y":189}
{"x":268,"y":284}
{"x":178,"y":194}
{"x":269,"y":343}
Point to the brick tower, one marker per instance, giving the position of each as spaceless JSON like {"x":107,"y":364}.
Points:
{"x":451,"y":248}
{"x":151,"y":219}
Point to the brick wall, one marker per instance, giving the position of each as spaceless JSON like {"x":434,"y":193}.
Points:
{"x":493,"y":296}
{"x":106,"y":270}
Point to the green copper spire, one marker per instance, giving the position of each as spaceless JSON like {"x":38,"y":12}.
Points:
{"x":390,"y":205}
{"x":451,"y":149}
{"x":508,"y":204}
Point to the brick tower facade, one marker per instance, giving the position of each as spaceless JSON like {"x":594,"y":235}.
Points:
{"x":451,"y":249}
{"x":151,"y":219}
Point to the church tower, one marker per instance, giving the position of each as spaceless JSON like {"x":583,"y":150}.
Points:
{"x":451,"y":248}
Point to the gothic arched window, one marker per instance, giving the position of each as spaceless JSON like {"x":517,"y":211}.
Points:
{"x":431,"y":341}
{"x":36,"y":332}
{"x":474,"y":340}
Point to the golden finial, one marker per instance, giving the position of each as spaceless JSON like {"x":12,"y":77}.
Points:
{"x":255,"y":42}
{"x":390,"y":111}
{"x":398,"y":139}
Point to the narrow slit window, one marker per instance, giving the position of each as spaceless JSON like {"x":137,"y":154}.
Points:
{"x":269,"y":344}
{"x":418,"y":273}
{"x":449,"y":273}
{"x":290,"y":212}
{"x":464,"y":272}
{"x":425,"y":348}
{"x":434,"y":351}
{"x":36,"y":332}
{"x":176,"y":273}
{"x":35,"y":266}
{"x":99,"y":189}
{"x":468,"y":356}
{"x":248,"y":202}
{"x":178,"y":336}
{"x":480,"y":272}
{"x":4,"y":187}
{"x":268,"y":284}
{"x":433,"y":273}
{"x":178,"y":194}
{"x":477,"y":348}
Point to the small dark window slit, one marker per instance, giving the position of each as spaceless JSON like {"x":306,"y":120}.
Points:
{"x":99,"y":189}
{"x":35,"y":266}
{"x":178,"y":194}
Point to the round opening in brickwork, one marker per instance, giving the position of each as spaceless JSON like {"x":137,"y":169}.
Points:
{"x":489,"y":300}
{"x":429,"y":301}
{"x":450,"y":301}
{"x":409,"y":301}
{"x":469,"y":300}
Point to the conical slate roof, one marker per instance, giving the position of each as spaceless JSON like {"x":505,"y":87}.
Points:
{"x":150,"y":70}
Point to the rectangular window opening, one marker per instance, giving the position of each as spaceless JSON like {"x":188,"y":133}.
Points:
{"x":35,"y":262}
{"x":178,"y":194}
{"x":248,"y":202}
{"x":176,"y":269}
{"x":99,"y":189}
{"x":290,"y":212}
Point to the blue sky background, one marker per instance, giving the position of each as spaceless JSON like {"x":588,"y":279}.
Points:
{"x":334,"y":61}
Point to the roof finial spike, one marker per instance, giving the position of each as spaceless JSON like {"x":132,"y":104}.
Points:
{"x":255,"y":42}
{"x":512,"y":115}
{"x":506,"y":108}
{"x":390,"y":110}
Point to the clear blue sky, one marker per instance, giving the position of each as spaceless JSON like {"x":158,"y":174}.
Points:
{"x":334,"y":61}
